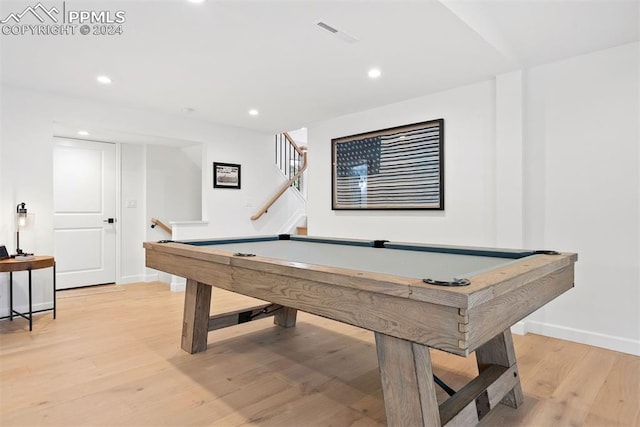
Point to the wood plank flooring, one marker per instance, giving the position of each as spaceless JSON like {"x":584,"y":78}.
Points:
{"x":113,"y":358}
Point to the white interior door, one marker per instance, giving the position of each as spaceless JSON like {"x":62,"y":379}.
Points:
{"x":84,"y":204}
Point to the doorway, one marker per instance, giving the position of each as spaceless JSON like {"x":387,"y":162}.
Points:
{"x":84,"y":205}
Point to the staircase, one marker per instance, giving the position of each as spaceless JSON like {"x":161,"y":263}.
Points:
{"x":291,"y":160}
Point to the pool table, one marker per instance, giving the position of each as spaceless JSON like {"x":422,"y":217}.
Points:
{"x":412,"y":296}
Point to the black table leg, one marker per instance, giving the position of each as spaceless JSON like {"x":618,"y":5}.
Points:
{"x":54,"y":290}
{"x":11,"y":296}
{"x":28,"y":315}
{"x":30,"y":305}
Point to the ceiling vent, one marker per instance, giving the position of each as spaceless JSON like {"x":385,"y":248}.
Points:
{"x":342,"y":35}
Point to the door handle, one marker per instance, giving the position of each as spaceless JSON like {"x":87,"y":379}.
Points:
{"x":109,"y":220}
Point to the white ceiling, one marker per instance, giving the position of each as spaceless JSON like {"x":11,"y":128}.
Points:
{"x":224,"y":57}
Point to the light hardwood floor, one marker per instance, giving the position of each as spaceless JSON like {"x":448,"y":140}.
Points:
{"x":113,"y":358}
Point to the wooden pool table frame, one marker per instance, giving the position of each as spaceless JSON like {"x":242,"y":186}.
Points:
{"x":406,"y":315}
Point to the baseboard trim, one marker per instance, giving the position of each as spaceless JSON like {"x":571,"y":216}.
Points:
{"x":151,"y":277}
{"x":136,"y":278}
{"x":610,"y":342}
{"x":178,"y":284}
{"x":519,"y":328}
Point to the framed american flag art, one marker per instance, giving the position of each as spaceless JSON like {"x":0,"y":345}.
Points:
{"x":398,"y":168}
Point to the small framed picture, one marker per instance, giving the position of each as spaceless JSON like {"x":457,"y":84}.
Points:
{"x":226,"y":175}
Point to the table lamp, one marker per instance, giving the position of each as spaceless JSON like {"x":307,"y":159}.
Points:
{"x":22,"y":221}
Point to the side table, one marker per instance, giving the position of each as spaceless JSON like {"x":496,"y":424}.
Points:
{"x":13,"y":265}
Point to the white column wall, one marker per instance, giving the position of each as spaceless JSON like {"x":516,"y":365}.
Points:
{"x":582,"y":131}
{"x":131,"y":222}
{"x":509,"y":161}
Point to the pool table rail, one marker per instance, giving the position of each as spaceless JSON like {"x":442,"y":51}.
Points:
{"x":484,"y":285}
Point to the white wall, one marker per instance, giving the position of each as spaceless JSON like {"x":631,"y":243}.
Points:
{"x":229,"y":210}
{"x":509,"y":151}
{"x":132,"y":218}
{"x":469,"y":133}
{"x":547,"y":157}
{"x":173,"y":183}
{"x":26,"y":173}
{"x":583,"y":192}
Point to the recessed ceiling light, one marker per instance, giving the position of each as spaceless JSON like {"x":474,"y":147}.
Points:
{"x":374,"y":73}
{"x":105,"y":80}
{"x":253,"y":112}
{"x":196,"y":1}
{"x":83,"y":133}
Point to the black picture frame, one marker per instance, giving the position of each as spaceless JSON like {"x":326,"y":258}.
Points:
{"x":398,"y":168}
{"x":226,"y":175}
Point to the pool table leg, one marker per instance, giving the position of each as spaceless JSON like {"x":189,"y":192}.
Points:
{"x":195,"y":321}
{"x":499,"y":351}
{"x":407,"y":382}
{"x":285,"y":317}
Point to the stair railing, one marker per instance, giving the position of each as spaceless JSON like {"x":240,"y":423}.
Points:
{"x":156,"y":222}
{"x":292,"y":161}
